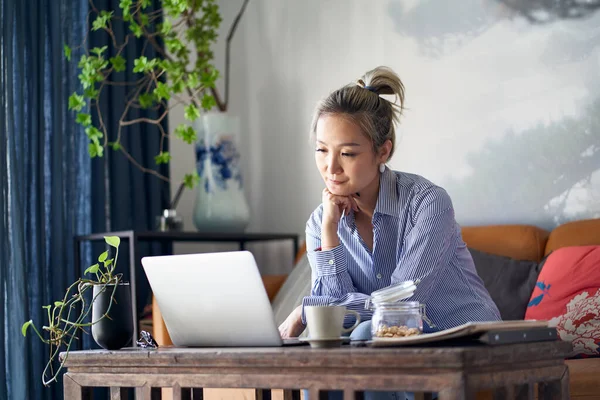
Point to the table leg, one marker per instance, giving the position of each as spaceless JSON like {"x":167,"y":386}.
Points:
{"x":555,"y":390}
{"x":72,"y":390}
{"x":143,"y":393}
{"x":317,"y":394}
{"x":524,"y":392}
{"x":118,"y":393}
{"x":281,"y":394}
{"x":176,"y":391}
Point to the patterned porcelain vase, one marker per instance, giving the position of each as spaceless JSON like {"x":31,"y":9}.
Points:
{"x":220,"y":201}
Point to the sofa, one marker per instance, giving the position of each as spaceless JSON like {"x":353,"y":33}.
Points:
{"x":521,"y":242}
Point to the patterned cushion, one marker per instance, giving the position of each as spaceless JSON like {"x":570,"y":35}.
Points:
{"x":567,"y":294}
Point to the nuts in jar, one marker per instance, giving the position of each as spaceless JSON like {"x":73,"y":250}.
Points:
{"x":395,"y":331}
{"x":396,"y":319}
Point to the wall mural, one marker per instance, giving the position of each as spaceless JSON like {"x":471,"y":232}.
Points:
{"x":531,"y":70}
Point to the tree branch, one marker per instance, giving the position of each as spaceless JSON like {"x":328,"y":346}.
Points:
{"x":148,"y":120}
{"x":227,"y":52}
{"x":143,"y":169}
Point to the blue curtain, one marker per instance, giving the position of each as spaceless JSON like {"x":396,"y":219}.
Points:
{"x":45,"y":175}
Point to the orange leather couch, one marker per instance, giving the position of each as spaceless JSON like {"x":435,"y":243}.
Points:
{"x":522,"y":242}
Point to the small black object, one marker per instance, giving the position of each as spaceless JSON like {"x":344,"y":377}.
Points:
{"x":147,"y":341}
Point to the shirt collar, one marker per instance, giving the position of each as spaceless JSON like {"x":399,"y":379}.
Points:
{"x":387,"y":199}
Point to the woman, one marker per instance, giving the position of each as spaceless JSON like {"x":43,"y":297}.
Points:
{"x":377,"y":227}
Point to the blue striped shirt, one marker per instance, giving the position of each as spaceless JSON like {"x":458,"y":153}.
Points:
{"x":415,"y":235}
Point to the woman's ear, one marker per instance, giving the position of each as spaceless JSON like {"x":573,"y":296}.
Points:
{"x":384,"y":151}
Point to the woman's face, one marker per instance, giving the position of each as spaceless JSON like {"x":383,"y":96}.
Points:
{"x":345,"y":156}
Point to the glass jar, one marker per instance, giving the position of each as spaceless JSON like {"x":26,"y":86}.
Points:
{"x":397,"y":319}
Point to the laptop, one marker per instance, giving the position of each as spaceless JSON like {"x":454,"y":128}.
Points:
{"x":213,"y":300}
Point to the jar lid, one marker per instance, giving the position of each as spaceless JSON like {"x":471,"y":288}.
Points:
{"x":397,"y":292}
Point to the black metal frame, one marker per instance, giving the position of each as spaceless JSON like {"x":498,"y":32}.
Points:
{"x":133,"y":237}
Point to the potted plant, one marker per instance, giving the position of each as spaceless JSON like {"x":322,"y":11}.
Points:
{"x":108,"y":303}
{"x":188,"y":29}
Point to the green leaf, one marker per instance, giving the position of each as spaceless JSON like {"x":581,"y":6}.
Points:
{"x":145,"y":4}
{"x":99,"y":50}
{"x":113,"y":241}
{"x":125,"y":5}
{"x":208,"y":102}
{"x":140,"y":64}
{"x":191,"y":113}
{"x":101,"y":20}
{"x":166,"y":27}
{"x":84,"y":119}
{"x":144,"y":21}
{"x":178,"y":86}
{"x":98,"y":24}
{"x":186,"y":133}
{"x":93,"y":133}
{"x":136,"y":29}
{"x":91,"y":93}
{"x":146,"y":100}
{"x":58,"y":304}
{"x":162,"y":158}
{"x":162,"y":91}
{"x":118,"y":63}
{"x":93,"y":269}
{"x":67,"y":52}
{"x":174,"y":45}
{"x":115,"y":145}
{"x":102,"y":257}
{"x":95,"y":149}
{"x":76,"y":102}
{"x":193,"y":81}
{"x":47,"y":307}
{"x":25,"y":327}
{"x":191,"y":180}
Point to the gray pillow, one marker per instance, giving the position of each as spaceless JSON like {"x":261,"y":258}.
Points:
{"x":293,"y":290}
{"x":509,"y":281}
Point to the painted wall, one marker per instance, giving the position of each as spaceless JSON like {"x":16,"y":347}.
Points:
{"x":503,"y":103}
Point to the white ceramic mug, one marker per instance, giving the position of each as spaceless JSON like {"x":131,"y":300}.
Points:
{"x":327,"y":322}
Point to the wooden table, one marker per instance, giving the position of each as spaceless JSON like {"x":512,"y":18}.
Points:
{"x":453,"y":372}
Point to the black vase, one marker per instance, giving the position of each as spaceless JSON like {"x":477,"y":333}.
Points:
{"x":115,"y":331}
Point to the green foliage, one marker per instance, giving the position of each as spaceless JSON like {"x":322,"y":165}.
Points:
{"x":187,"y":27}
{"x":191,"y":180}
{"x":66,"y":317}
{"x":186,"y":133}
{"x":101,"y":21}
{"x":163,"y":157}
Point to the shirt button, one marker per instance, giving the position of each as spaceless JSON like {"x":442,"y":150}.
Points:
{"x":378,"y":276}
{"x":330,"y":262}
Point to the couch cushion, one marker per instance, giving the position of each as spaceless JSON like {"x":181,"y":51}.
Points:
{"x":567,"y":294}
{"x":293,"y":290}
{"x":509,"y":281}
{"x":577,"y":233}
{"x":521,"y":242}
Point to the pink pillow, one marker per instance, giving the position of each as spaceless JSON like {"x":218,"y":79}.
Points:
{"x":567,"y":293}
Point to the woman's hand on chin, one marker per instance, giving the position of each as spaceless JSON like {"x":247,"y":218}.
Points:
{"x":334,"y":205}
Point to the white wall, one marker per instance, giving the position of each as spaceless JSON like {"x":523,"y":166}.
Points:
{"x":502,"y":112}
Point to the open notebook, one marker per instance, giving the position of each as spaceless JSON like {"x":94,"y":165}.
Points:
{"x":494,"y":332}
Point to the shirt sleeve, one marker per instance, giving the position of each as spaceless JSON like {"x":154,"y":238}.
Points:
{"x":331,"y":282}
{"x":430,"y":244}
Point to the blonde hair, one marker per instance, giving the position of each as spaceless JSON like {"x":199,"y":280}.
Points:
{"x":360,"y":102}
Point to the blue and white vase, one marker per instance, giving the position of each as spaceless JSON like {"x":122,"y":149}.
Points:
{"x":220,"y":201}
